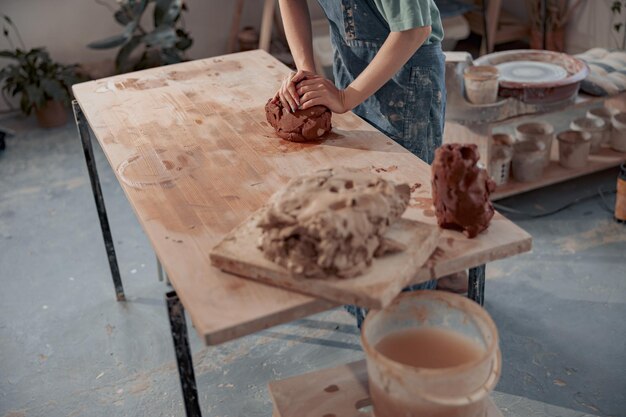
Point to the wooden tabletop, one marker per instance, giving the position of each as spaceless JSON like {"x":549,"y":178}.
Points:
{"x":192,"y":150}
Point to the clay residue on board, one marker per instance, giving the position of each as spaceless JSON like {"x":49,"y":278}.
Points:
{"x":155,"y":167}
{"x":301,"y":125}
{"x":390,"y":168}
{"x":331,"y":388}
{"x":188,"y":74}
{"x":289,"y":147}
{"x":415,"y":186}
{"x":137,"y":84}
{"x":331,"y":223}
{"x":219,"y":64}
{"x":461,"y":189}
{"x":423,"y":203}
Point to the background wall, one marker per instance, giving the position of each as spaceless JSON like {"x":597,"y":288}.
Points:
{"x":591,"y":25}
{"x":65,"y":27}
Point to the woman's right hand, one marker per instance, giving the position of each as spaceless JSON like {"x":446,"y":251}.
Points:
{"x":287,"y":93}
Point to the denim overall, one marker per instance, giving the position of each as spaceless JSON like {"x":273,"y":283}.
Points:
{"x":410,"y":107}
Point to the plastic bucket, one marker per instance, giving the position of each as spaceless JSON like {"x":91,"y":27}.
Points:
{"x":574,"y":148}
{"x":596,"y":127}
{"x":528,"y":160}
{"x":618,"y":135}
{"x":537,"y":132}
{"x":606,"y":115}
{"x":481,"y":84}
{"x":398,"y":390}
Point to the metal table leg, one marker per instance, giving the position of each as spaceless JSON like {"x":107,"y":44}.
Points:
{"x":476,"y":288}
{"x":178,"y":326}
{"x":85,"y":137}
{"x":162,"y":274}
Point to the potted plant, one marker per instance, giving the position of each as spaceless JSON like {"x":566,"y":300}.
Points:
{"x":164,"y":44}
{"x":557,"y":15}
{"x":42,"y":84}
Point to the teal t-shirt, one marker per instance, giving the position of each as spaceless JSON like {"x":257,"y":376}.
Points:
{"x":409,"y":14}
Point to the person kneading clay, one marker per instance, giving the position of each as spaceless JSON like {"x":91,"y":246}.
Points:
{"x":388,"y":69}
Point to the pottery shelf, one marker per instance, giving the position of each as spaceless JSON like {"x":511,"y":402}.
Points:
{"x":468,"y":123}
{"x":555,"y":173}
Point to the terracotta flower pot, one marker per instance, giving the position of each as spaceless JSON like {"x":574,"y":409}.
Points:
{"x":555,"y":39}
{"x":52,"y":114}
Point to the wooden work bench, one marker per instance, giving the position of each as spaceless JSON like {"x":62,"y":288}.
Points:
{"x":195,"y":157}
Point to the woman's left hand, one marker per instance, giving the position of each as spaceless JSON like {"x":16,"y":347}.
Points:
{"x":318,"y":91}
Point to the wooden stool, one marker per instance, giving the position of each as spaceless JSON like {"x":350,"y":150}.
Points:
{"x":265,"y":38}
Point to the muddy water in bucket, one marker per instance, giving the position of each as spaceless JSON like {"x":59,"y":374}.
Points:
{"x":431,"y":354}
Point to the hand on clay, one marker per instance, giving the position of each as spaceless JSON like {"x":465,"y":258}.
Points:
{"x":317,"y":90}
{"x":287,"y":93}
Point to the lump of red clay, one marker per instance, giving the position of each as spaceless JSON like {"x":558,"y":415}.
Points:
{"x":331,"y":223}
{"x":461,"y":189}
{"x":301,"y":125}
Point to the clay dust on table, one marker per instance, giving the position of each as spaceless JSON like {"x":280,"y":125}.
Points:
{"x":155,"y":167}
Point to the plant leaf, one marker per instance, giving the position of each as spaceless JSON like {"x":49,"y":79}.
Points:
{"x":162,"y":36}
{"x":8,"y":54}
{"x":121,"y":60}
{"x":54,"y":89}
{"x":616,"y":7}
{"x":122,"y":17}
{"x":34,"y":97}
{"x":170,"y":56}
{"x":184,"y":41}
{"x":116,"y":40}
{"x":25,"y":105}
{"x":110,"y":42}
{"x":139,"y":8}
{"x":166,"y":12}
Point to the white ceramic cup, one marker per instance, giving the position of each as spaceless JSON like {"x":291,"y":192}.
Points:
{"x":574,"y":147}
{"x":618,"y":135}
{"x":528,"y":160}
{"x":481,"y":84}
{"x":596,"y":127}
{"x":606,"y":115}
{"x":537,"y":132}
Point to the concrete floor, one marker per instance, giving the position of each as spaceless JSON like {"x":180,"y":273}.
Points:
{"x":68,"y":349}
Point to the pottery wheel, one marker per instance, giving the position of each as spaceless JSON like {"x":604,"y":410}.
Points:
{"x":531,"y":72}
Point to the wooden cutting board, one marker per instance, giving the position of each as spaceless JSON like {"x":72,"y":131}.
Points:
{"x":238,"y":254}
{"x":340,"y":392}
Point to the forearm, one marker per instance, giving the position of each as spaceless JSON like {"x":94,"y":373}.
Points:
{"x":297,"y":22}
{"x":397,"y":49}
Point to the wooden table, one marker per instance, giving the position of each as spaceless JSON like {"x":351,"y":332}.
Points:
{"x":192,"y":151}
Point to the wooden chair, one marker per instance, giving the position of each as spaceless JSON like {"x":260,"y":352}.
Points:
{"x":500,"y":26}
{"x":265,"y":35}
